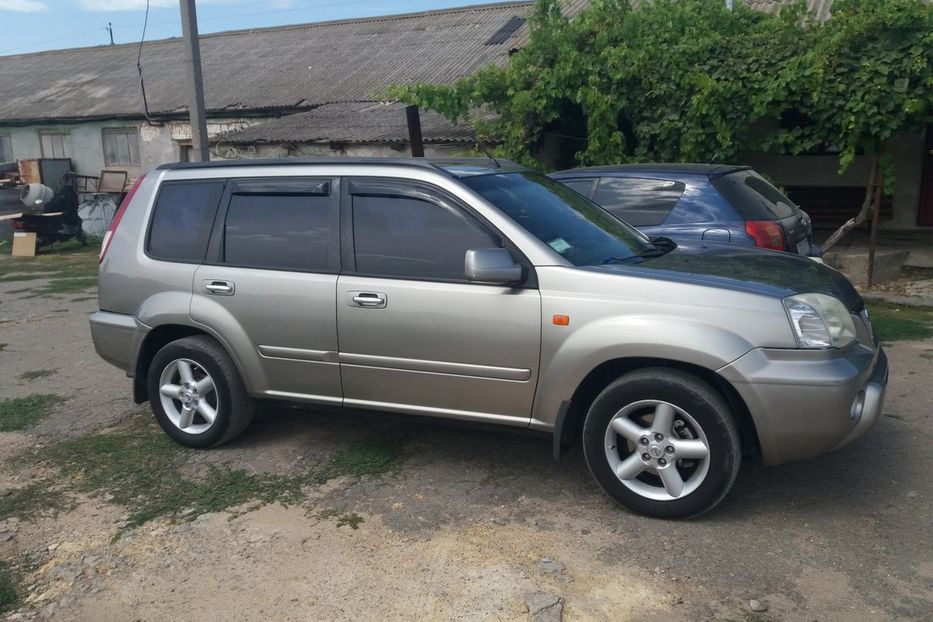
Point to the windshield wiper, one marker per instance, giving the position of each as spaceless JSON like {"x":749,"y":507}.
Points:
{"x":659,"y":246}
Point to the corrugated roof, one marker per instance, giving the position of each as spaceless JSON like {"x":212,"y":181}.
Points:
{"x":818,"y":7}
{"x":253,"y":70}
{"x":272,"y":70}
{"x":351,"y":122}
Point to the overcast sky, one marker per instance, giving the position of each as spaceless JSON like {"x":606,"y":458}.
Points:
{"x":35,"y":25}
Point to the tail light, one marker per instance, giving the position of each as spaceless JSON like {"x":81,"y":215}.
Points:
{"x":117,"y":217}
{"x":766,"y":233}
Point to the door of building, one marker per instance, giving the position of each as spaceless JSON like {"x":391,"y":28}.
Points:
{"x":925,"y":210}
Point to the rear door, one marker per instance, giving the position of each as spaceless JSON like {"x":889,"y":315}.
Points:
{"x":268,"y":286}
{"x":415,"y":336}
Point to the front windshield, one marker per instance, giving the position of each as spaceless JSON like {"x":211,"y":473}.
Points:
{"x":580,"y":231}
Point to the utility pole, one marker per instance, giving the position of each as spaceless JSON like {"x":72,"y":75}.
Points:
{"x":200,"y":151}
{"x":110,"y":30}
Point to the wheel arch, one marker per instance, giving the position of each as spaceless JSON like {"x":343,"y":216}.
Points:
{"x":157,"y":338}
{"x":570,"y":425}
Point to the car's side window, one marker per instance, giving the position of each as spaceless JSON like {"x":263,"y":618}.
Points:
{"x":282,"y":225}
{"x":639,"y":201}
{"x":583,"y":185}
{"x":182,"y":219}
{"x":412,"y":236}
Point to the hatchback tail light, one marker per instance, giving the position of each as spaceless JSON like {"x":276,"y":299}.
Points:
{"x":117,"y":217}
{"x":766,"y":233}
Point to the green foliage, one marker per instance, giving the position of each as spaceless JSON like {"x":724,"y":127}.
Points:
{"x":688,"y":80}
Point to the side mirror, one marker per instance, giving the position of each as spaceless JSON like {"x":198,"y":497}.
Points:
{"x":491,"y":265}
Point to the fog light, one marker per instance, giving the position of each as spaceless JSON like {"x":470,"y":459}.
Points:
{"x":857,"y":407}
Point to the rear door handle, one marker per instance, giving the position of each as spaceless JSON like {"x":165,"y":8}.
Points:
{"x":368,"y":300}
{"x":219,"y":288}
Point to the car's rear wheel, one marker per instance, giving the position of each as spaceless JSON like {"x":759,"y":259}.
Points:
{"x":196,"y":394}
{"x":662,"y":442}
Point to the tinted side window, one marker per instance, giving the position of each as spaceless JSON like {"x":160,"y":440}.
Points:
{"x":286,"y":231}
{"x":639,"y":201}
{"x":583,"y":186}
{"x":412,"y":238}
{"x":181,"y":222}
{"x":753,"y":197}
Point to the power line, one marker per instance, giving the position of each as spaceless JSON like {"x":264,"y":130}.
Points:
{"x":254,"y":13}
{"x":38,"y":43}
{"x":139,"y":66}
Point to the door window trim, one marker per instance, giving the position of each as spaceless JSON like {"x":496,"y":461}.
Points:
{"x":274,"y":186}
{"x":422,"y":191}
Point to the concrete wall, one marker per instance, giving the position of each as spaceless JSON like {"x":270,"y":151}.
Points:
{"x":380,"y":150}
{"x":823,"y":170}
{"x":158,"y":144}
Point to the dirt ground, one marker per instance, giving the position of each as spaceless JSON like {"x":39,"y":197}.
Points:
{"x":464,"y":524}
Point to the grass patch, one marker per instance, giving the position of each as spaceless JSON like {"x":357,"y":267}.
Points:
{"x":26,"y":503}
{"x":928,"y":355}
{"x":9,"y":595}
{"x":367,"y":458}
{"x":4,"y":346}
{"x":344,"y":518}
{"x":20,"y":291}
{"x":139,"y":465}
{"x":35,"y":374}
{"x":901,"y":322}
{"x":64,"y":286}
{"x":65,"y":264}
{"x":22,"y":412}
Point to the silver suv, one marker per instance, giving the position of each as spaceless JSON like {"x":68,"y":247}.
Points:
{"x":483,"y":291}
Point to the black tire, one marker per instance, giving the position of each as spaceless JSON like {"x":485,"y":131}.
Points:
{"x":235,"y":407}
{"x":705,"y":406}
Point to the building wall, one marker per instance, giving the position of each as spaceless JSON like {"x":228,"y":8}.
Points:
{"x":158,"y":144}
{"x":380,"y":150}
{"x":823,"y":170}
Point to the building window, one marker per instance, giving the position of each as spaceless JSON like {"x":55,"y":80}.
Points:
{"x":6,"y":148}
{"x":121,"y":147}
{"x":55,"y":144}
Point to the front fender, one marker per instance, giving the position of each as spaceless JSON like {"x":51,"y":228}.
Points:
{"x":566,"y":361}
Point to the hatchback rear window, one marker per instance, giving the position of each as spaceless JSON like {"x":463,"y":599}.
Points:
{"x":182,"y":220}
{"x":753,"y":197}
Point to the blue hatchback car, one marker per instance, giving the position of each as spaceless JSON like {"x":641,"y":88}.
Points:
{"x":713,"y":202}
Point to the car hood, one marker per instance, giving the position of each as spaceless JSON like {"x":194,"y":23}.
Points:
{"x":746,"y":269}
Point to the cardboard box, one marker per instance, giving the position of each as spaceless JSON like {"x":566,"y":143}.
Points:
{"x":24,"y":244}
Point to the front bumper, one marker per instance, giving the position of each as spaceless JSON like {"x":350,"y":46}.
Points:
{"x":808,"y":402}
{"x":117,"y":338}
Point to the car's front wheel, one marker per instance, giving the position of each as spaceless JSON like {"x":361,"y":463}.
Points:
{"x":662,"y":442}
{"x":196,"y":393}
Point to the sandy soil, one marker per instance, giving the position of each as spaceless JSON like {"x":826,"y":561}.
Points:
{"x":470,"y":522}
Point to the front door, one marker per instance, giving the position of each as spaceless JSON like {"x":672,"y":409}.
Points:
{"x":414,"y":335}
{"x":269,"y":285}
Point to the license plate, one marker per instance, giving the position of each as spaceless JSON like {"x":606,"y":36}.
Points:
{"x":803,"y":247}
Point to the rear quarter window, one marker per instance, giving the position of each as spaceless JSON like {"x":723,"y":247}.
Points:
{"x":753,"y":197}
{"x":182,"y":220}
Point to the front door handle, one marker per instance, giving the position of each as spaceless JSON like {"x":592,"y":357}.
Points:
{"x":219,"y":288}
{"x":368,"y":300}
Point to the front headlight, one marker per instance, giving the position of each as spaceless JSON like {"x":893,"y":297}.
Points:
{"x":819,"y":321}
